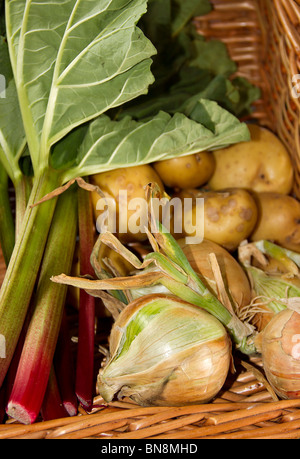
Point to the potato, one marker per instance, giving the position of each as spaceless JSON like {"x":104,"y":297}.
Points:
{"x":278,"y":220}
{"x":229,"y":216}
{"x":190,"y":171}
{"x":123,"y":186}
{"x":262,"y":164}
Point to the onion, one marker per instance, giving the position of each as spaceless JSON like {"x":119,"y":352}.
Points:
{"x":280,"y":349}
{"x":274,"y":279}
{"x":233,"y":274}
{"x":165,"y":352}
{"x":270,"y":292}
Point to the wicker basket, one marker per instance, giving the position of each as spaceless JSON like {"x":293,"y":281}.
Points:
{"x":263,"y":37}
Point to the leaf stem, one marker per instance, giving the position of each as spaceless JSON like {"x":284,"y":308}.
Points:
{"x":2,"y":404}
{"x":85,"y":353}
{"x":22,"y":191}
{"x":64,"y":368}
{"x":52,"y":406}
{"x":41,"y":338}
{"x":23,"y":268}
{"x":7,"y":225}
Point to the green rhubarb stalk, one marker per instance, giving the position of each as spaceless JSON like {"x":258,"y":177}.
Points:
{"x":22,"y":189}
{"x":22,"y":271}
{"x":41,"y":338}
{"x":10,"y":226}
{"x":7,"y":225}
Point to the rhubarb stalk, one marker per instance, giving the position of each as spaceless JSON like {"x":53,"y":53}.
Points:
{"x":2,"y":404}
{"x":40,"y":342}
{"x":64,"y":368}
{"x":52,"y":406}
{"x":22,"y":189}
{"x":7,"y":225}
{"x":23,"y":268}
{"x":85,"y":353}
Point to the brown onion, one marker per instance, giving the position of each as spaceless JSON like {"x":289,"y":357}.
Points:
{"x":280,"y":349}
{"x":165,"y":352}
{"x":236,"y":280}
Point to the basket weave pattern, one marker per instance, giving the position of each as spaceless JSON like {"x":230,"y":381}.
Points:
{"x":263,"y":38}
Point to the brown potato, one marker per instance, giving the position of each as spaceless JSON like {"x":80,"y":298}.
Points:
{"x":121,"y":183}
{"x":190,"y":171}
{"x":278,"y":220}
{"x":262,"y":164}
{"x":229,"y":216}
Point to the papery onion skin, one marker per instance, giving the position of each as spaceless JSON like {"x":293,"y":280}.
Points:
{"x":193,"y":373}
{"x":234,"y":276}
{"x":280,"y":348}
{"x":271,"y":291}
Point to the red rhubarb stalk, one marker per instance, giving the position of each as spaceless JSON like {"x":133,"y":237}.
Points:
{"x":24,"y":266}
{"x":40,"y":342}
{"x":52,"y":406}
{"x":65,"y":369}
{"x":86,"y":329}
{"x":2,"y":403}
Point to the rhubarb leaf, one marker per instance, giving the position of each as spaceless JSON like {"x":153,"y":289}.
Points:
{"x":110,"y":144}
{"x":187,"y":64}
{"x":226,"y":128}
{"x":212,"y":55}
{"x":74,"y":65}
{"x":184,"y":11}
{"x":12,"y":135}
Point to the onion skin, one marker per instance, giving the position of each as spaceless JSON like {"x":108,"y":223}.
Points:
{"x":233,"y":274}
{"x":172,"y":361}
{"x":280,"y":349}
{"x":274,"y":286}
{"x":262,"y":318}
